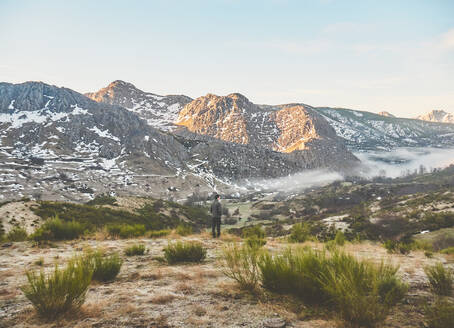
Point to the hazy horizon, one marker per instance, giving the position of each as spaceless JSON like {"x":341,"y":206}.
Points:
{"x":363,"y":55}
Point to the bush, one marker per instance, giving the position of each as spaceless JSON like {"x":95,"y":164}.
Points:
{"x":105,"y":268}
{"x":361,"y":292}
{"x":17,"y":234}
{"x":300,"y":233}
{"x":126,"y":230}
{"x":449,"y":250}
{"x":59,"y":291}
{"x":184,"y":252}
{"x":254,"y":231}
{"x":393,"y":246}
{"x":241,"y":264}
{"x":158,"y":233}
{"x":340,"y":238}
{"x":137,"y":249}
{"x":57,"y":229}
{"x":255,"y":242}
{"x":103,"y":199}
{"x":183,"y":230}
{"x":440,"y":279}
{"x":440,"y":314}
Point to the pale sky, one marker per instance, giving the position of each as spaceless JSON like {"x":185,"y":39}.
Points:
{"x":388,"y":55}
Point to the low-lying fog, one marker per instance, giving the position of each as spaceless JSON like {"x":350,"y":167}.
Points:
{"x":392,"y":164}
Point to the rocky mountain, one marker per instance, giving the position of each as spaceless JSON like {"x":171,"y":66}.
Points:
{"x":363,"y":131}
{"x":59,"y":144}
{"x":159,"y":111}
{"x":385,"y":113}
{"x":288,"y":128}
{"x":439,"y":116}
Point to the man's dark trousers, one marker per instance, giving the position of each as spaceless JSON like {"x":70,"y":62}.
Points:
{"x":216,"y":225}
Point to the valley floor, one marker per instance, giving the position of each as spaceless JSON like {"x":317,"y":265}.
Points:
{"x":148,"y":293}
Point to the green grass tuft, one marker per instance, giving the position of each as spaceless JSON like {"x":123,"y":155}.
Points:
{"x":184,"y":252}
{"x":59,"y":291}
{"x":440,"y":279}
{"x":17,"y":234}
{"x":138,"y":249}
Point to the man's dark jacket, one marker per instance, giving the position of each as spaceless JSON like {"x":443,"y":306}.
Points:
{"x":215,"y":210}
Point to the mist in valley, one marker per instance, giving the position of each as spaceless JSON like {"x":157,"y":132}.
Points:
{"x":392,"y":164}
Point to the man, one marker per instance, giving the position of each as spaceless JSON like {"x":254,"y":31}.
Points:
{"x":216,"y":212}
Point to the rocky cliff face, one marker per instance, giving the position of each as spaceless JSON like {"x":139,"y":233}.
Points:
{"x":159,"y":111}
{"x":439,"y":116}
{"x":283,"y":128}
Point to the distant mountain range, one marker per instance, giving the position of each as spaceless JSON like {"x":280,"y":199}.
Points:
{"x":57,"y":143}
{"x":439,"y":116}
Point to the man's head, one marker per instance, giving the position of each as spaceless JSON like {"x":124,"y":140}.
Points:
{"x":217,"y":197}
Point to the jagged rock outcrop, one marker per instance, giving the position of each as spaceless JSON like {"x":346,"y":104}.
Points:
{"x":233,"y":118}
{"x":439,"y":116}
{"x":159,"y":111}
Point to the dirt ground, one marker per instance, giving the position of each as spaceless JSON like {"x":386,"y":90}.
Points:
{"x":148,"y":293}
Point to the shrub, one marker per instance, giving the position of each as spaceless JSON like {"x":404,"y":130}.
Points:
{"x":254,"y":231}
{"x":126,"y":230}
{"x":300,"y":233}
{"x":183,"y":230}
{"x":440,"y":314}
{"x":360,"y":291}
{"x":17,"y":234}
{"x":255,"y":242}
{"x":105,"y":268}
{"x":449,"y":250}
{"x":184,"y":252}
{"x":440,"y":279}
{"x":158,"y":233}
{"x":340,"y":238}
{"x":241,"y":264}
{"x":59,"y":291}
{"x":137,"y":249}
{"x":57,"y":229}
{"x":103,"y":199}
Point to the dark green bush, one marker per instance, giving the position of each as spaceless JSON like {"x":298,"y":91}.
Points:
{"x":105,"y":268}
{"x":440,"y":279}
{"x":103,"y":199}
{"x":126,"y":230}
{"x":17,"y":234}
{"x":299,"y":233}
{"x":138,"y":249}
{"x":59,"y":291}
{"x":158,"y":233}
{"x":449,"y":250}
{"x":57,"y":229}
{"x":184,"y":252}
{"x":440,"y":314}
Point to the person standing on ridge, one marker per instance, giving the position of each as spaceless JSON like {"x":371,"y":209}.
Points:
{"x":216,"y":212}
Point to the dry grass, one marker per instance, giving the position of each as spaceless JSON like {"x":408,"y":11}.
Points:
{"x":162,"y":298}
{"x":197,"y":322}
{"x":184,"y":288}
{"x":127,"y":309}
{"x":156,"y":275}
{"x":199,"y":311}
